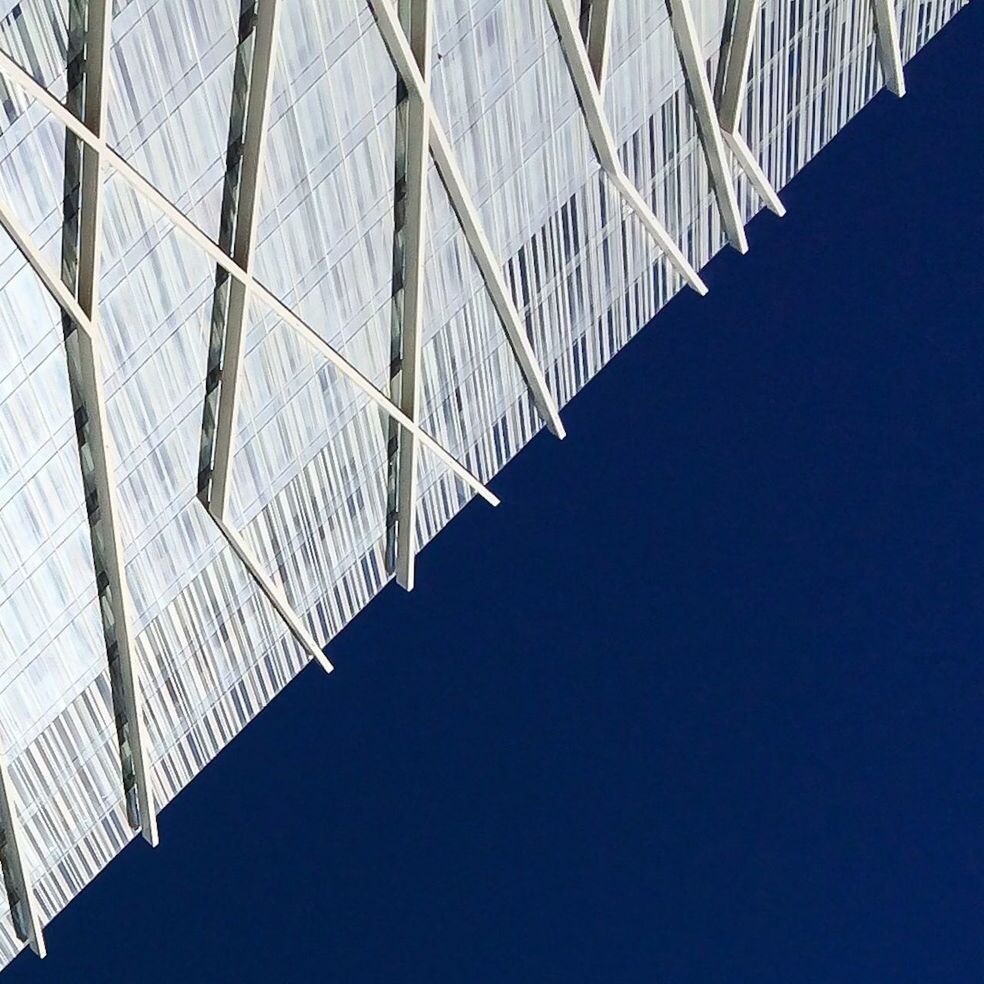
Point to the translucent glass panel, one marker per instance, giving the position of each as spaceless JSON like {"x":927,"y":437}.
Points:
{"x":170,"y":97}
{"x":325,"y":243}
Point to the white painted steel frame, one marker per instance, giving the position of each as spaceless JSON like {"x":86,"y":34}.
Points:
{"x":603,"y":140}
{"x":730,"y":89}
{"x":109,"y":157}
{"x":244,"y":245}
{"x":692,"y":59}
{"x":419,"y":14}
{"x":89,"y":382}
{"x":596,"y":39}
{"x":889,"y":49}
{"x":17,"y":878}
{"x":403,"y":59}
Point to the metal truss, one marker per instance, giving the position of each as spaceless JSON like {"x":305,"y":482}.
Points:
{"x":582,"y":75}
{"x":110,"y":158}
{"x":401,"y":53}
{"x":88,"y":50}
{"x":16,"y":877}
{"x":708,"y":127}
{"x":730,"y":88}
{"x":889,"y":49}
{"x":596,"y":26}
{"x":409,"y":248}
{"x":252,"y":85}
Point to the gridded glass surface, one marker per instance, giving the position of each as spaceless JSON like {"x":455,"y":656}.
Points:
{"x":312,"y":470}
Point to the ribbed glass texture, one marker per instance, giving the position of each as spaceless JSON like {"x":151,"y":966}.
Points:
{"x":311,"y":471}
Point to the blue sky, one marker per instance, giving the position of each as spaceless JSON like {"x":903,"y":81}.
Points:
{"x":702,"y":701}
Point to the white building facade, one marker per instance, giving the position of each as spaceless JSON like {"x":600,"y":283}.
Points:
{"x":284,"y":284}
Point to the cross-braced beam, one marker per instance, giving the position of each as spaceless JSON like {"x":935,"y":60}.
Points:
{"x":409,"y":241}
{"x":692,"y":59}
{"x":11,"y":70}
{"x":252,"y":83}
{"x":889,"y":49}
{"x":596,"y":26}
{"x":17,"y":879}
{"x":730,"y":88}
{"x":88,"y":50}
{"x":403,"y":59}
{"x":603,"y":140}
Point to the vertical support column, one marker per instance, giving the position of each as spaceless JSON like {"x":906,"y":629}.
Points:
{"x":252,"y":84}
{"x":409,"y":248}
{"x":692,"y":59}
{"x":596,"y":25}
{"x":16,"y":877}
{"x":730,"y":87}
{"x":88,"y":72}
{"x":889,"y":49}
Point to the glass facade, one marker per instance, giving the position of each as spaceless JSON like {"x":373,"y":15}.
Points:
{"x":312,"y":470}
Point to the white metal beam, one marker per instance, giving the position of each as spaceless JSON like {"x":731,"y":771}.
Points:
{"x":889,"y":49}
{"x":753,"y":171}
{"x":218,"y":427}
{"x":17,"y":879}
{"x":603,"y":140}
{"x":736,"y":56}
{"x":471,"y":224}
{"x":98,"y":466}
{"x":692,"y":58}
{"x":273,"y":593}
{"x":419,"y":14}
{"x":11,"y":70}
{"x":730,"y":89}
{"x":596,"y":40}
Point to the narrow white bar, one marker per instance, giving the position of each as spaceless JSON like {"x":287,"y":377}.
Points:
{"x":414,"y":237}
{"x":247,"y":215}
{"x":753,"y":171}
{"x":597,"y":40}
{"x":10,"y":69}
{"x":603,"y":140}
{"x":692,"y":59}
{"x":17,"y":878}
{"x":736,"y":58}
{"x":471,"y":224}
{"x":273,"y":594}
{"x":89,"y":382}
{"x":889,"y":49}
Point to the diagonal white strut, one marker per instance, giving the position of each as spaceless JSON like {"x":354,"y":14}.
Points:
{"x":10,"y":69}
{"x":889,"y":49}
{"x":95,"y":450}
{"x":692,"y":60}
{"x":402,"y":55}
{"x":730,"y":89}
{"x":17,"y":879}
{"x":603,"y":140}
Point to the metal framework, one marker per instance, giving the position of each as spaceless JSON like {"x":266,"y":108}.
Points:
{"x":16,"y":877}
{"x":596,"y":26}
{"x":410,"y":221}
{"x":252,"y":86}
{"x":889,"y":49}
{"x":603,"y":140}
{"x":692,"y":60}
{"x":11,"y":70}
{"x":401,"y":53}
{"x":89,"y":34}
{"x":731,"y":86}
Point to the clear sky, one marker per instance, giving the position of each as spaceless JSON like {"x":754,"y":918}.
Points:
{"x":703,"y":701}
